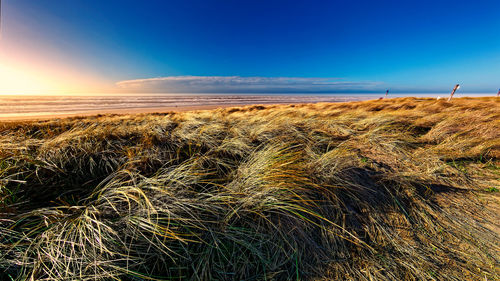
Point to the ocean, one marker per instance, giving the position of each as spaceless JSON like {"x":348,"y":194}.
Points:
{"x":40,"y":105}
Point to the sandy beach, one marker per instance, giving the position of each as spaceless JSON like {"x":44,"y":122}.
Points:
{"x":40,"y":117}
{"x":23,"y":108}
{"x":48,"y":107}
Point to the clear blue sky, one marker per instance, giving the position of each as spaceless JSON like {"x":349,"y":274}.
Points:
{"x":371,"y":45}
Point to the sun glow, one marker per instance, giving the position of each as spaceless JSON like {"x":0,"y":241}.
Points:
{"x":17,"y":81}
{"x":20,"y":79}
{"x":26,"y":73}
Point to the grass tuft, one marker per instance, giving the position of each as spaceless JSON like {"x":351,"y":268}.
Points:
{"x":394,"y":189}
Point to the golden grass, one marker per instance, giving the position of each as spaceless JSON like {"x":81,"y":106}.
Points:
{"x":395,"y":189}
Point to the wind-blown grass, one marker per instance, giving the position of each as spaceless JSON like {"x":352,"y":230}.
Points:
{"x":399,"y":189}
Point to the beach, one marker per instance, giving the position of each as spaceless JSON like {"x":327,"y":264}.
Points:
{"x":249,"y":140}
{"x":21,"y":107}
{"x":86,"y":113}
{"x":45,"y":107}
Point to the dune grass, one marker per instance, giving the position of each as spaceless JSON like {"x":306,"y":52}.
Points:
{"x":397,"y":189}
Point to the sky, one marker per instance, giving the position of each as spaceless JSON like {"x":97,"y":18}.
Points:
{"x":121,"y":46}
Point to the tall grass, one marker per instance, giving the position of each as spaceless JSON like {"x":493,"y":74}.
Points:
{"x":398,"y":189}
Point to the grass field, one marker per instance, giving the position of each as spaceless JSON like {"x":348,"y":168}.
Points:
{"x":396,"y":189}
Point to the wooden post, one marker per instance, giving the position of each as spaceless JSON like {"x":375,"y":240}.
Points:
{"x":457,"y":86}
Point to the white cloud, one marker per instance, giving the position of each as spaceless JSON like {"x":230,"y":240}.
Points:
{"x":237,"y":84}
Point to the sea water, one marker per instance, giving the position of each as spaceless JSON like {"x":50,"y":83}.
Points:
{"x":39,"y":105}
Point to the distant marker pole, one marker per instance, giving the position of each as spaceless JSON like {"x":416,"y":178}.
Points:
{"x":457,"y":86}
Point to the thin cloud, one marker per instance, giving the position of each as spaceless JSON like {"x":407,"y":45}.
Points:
{"x":238,"y":84}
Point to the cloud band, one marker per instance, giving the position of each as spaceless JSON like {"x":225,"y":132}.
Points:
{"x":238,"y":84}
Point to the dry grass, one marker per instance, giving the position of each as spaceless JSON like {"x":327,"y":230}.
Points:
{"x":398,"y":189}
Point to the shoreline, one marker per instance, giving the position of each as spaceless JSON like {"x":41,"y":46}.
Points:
{"x":21,"y":109}
{"x":40,"y":116}
{"x":119,"y":111}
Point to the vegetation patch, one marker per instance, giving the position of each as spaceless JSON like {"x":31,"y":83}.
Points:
{"x":375,"y":190}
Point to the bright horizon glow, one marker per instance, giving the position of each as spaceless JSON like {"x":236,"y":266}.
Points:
{"x":15,"y":81}
{"x":26,"y":73}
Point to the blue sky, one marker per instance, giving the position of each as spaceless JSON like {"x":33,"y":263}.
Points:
{"x":260,"y":46}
